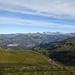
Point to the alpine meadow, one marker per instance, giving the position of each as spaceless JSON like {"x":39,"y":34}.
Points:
{"x":37,"y":37}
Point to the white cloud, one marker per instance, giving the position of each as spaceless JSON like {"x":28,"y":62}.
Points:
{"x":17,"y":21}
{"x":50,"y":8}
{"x":55,"y":8}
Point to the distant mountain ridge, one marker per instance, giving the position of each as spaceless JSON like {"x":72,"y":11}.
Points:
{"x":30,"y":40}
{"x":44,"y":33}
{"x":8,"y":35}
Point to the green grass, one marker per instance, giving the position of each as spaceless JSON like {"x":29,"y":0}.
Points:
{"x":22,"y":56}
{"x":27,"y":62}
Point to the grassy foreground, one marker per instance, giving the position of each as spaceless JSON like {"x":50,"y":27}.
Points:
{"x":26,"y":62}
{"x":22,"y":56}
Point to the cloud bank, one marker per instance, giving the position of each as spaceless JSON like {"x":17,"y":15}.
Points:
{"x":55,"y":8}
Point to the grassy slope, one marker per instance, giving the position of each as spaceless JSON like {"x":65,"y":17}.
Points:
{"x":22,"y":56}
{"x":22,"y":62}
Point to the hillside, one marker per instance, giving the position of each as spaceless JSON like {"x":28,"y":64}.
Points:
{"x":62,"y":50}
{"x":25,"y":62}
{"x":4,"y":48}
{"x":23,"y":56}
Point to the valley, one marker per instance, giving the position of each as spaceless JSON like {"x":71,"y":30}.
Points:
{"x":60,"y":50}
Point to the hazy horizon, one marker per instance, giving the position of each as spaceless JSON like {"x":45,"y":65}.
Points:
{"x":35,"y":32}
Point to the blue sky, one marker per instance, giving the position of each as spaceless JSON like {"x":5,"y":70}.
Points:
{"x":30,"y":16}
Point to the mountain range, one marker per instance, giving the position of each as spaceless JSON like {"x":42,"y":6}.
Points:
{"x":30,"y":40}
